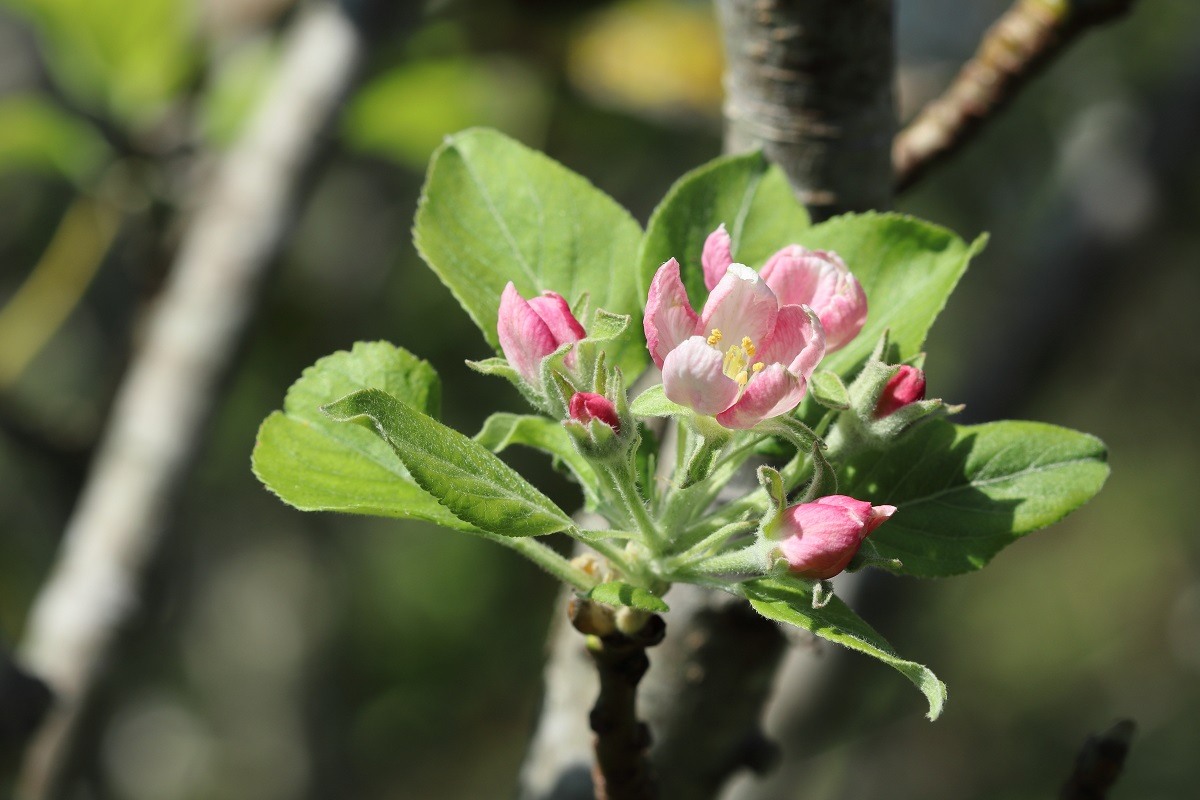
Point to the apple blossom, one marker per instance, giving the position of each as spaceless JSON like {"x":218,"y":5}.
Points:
{"x":906,"y":386}
{"x":743,"y":359}
{"x":530,"y":330}
{"x":798,"y":276}
{"x":820,"y":538}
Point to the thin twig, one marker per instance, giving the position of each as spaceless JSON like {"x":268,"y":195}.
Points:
{"x":164,"y":403}
{"x":1099,"y":763}
{"x":1023,"y":41}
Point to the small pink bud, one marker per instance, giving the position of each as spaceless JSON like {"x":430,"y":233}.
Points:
{"x":587,"y":406}
{"x":531,"y":330}
{"x":906,"y":386}
{"x":820,"y":538}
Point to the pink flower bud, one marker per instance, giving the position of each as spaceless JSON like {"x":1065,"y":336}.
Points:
{"x":587,"y":406}
{"x":906,"y":386}
{"x":531,"y":330}
{"x":821,"y":537}
{"x":820,"y":280}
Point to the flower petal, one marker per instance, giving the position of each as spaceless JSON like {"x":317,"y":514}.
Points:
{"x":717,"y":256}
{"x":794,"y":274}
{"x":824,"y":539}
{"x":692,"y":377}
{"x":525,"y":338}
{"x":740,"y":306}
{"x":772,"y":392}
{"x":669,"y":318}
{"x":556,"y":313}
{"x":844,"y":315}
{"x":797,"y":342}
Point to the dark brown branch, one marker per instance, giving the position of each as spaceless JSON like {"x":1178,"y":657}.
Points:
{"x":1023,"y":41}
{"x":622,"y":769}
{"x":1099,"y":763}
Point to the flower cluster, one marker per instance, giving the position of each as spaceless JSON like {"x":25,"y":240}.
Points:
{"x":747,"y":356}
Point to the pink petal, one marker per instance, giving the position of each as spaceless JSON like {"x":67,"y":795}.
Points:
{"x":717,"y":256}
{"x":797,"y":342}
{"x":587,"y":406}
{"x":844,"y":315}
{"x":772,"y":392}
{"x":692,"y":377}
{"x":871,"y":517}
{"x":740,"y":306}
{"x":794,"y":274}
{"x":906,"y":386}
{"x":556,"y":313}
{"x":525,"y":338}
{"x":823,"y":540}
{"x":669,"y":316}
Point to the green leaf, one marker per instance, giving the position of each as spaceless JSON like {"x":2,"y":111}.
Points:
{"x":790,"y":602}
{"x":502,"y":429}
{"x":654,"y":403}
{"x":908,"y":269}
{"x":316,"y":464}
{"x":494,"y":211}
{"x":477,"y":487}
{"x":746,"y":193}
{"x":966,"y":492}
{"x":616,"y":593}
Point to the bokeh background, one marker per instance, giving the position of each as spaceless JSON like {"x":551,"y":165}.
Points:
{"x":286,"y":655}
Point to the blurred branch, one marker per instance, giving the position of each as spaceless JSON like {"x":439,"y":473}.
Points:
{"x":811,"y":83}
{"x":1029,"y":36}
{"x":55,"y":285}
{"x":1099,"y":763}
{"x":165,"y":401}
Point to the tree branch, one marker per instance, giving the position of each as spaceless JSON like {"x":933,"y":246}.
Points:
{"x":165,"y":401}
{"x":1022,"y":42}
{"x":811,"y":83}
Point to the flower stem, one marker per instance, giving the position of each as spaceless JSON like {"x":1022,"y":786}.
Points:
{"x":623,"y":480}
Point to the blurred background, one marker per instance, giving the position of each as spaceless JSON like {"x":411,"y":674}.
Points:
{"x":287,"y":655}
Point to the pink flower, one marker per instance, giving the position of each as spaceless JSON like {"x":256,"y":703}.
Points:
{"x":906,"y":386}
{"x":798,"y":276}
{"x":531,"y":330}
{"x":587,"y":406}
{"x":743,"y":359}
{"x":821,"y":537}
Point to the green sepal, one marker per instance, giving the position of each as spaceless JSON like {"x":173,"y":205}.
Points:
{"x":826,"y":388}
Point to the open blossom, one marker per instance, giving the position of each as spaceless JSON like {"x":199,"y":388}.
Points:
{"x":820,"y":538}
{"x":743,"y":359}
{"x":906,"y":386}
{"x":798,"y":276}
{"x":530,"y":330}
{"x":587,"y":406}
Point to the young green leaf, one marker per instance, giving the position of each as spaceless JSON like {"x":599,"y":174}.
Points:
{"x":746,"y":193}
{"x":966,"y":492}
{"x":654,"y":403}
{"x":791,"y":602}
{"x":473,"y":484}
{"x":316,"y":464}
{"x":617,"y":593}
{"x":494,"y":211}
{"x":827,"y":389}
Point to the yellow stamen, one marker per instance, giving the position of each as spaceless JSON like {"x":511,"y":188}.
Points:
{"x":742,"y":378}
{"x":748,"y":346}
{"x":716,"y":336}
{"x":758,"y":367}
